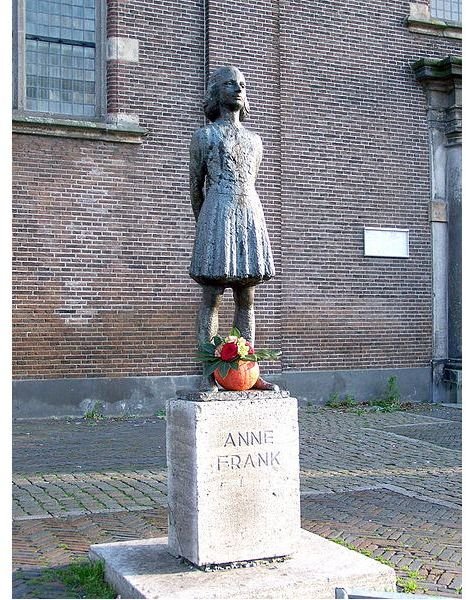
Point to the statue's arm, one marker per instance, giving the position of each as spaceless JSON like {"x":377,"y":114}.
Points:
{"x":197,"y":172}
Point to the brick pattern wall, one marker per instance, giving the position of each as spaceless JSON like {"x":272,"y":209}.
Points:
{"x":355,"y":154}
{"x":103,"y":231}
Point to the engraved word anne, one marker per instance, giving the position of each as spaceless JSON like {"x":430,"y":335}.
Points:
{"x":249,"y":438}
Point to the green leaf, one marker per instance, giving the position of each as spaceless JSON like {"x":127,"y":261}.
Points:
{"x":206,"y":357}
{"x":209,"y":368}
{"x":207,"y":347}
{"x":224,"y":367}
{"x":267,"y":354}
{"x":217,"y":340}
{"x":235,"y":332}
{"x":250,"y":357}
{"x":234,"y":365}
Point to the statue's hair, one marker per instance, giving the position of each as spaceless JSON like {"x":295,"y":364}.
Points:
{"x":211,"y":100}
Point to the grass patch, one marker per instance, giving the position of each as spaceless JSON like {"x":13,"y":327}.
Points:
{"x":95,"y":413}
{"x":82,"y":579}
{"x":390,"y":401}
{"x":347,"y":402}
{"x":408,"y":584}
{"x":88,"y":577}
{"x":364,"y":551}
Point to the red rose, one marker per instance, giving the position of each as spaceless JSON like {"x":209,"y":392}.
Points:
{"x":229,"y":351}
{"x":251,"y":349}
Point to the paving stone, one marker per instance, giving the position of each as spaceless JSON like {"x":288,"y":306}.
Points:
{"x":445,"y":579}
{"x":396,"y":495}
{"x":445,"y":434}
{"x":103,"y":445}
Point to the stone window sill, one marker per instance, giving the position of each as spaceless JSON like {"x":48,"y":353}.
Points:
{"x":84,"y":130}
{"x":433,"y":26}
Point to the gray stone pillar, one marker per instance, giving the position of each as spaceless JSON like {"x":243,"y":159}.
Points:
{"x":441,"y":80}
{"x":233,"y":476}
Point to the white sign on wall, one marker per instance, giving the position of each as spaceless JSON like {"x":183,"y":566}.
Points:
{"x":385,"y":241}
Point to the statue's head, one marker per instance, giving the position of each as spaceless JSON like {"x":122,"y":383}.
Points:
{"x":226,"y":85}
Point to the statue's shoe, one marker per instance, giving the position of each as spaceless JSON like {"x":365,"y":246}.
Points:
{"x":208,"y":384}
{"x":261,"y":384}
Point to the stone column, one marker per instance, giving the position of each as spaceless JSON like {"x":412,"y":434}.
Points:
{"x":441,"y":80}
{"x":122,"y":59}
{"x":453,"y":188}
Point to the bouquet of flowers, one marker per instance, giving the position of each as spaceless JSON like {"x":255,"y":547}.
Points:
{"x":226,"y":353}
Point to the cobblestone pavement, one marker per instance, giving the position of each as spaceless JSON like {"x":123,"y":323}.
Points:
{"x":389,"y":483}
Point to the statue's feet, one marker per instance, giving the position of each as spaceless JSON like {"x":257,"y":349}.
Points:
{"x":208,"y":384}
{"x":261,"y":384}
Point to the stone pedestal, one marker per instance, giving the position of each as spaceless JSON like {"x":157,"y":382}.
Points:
{"x":233,"y":495}
{"x":145,"y":569}
{"x":233,"y":477}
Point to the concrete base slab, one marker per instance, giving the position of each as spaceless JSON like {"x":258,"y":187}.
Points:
{"x":145,"y":569}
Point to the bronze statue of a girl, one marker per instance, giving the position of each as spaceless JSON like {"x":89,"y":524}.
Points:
{"x":232,"y":247}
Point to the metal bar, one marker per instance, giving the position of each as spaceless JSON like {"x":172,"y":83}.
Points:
{"x":44,"y":38}
{"x":356,"y":594}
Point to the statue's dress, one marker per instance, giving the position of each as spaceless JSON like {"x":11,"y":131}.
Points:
{"x":232,"y":245}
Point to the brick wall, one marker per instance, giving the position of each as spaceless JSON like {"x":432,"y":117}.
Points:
{"x":355,"y":154}
{"x":103,"y":231}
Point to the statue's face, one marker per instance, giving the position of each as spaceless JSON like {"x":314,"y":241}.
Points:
{"x":232,"y":89}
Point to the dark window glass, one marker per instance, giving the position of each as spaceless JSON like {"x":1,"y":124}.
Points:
{"x":61,"y":57}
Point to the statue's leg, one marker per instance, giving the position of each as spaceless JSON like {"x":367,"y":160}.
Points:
{"x":207,"y":324}
{"x":245,"y":322}
{"x":244,"y":312}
